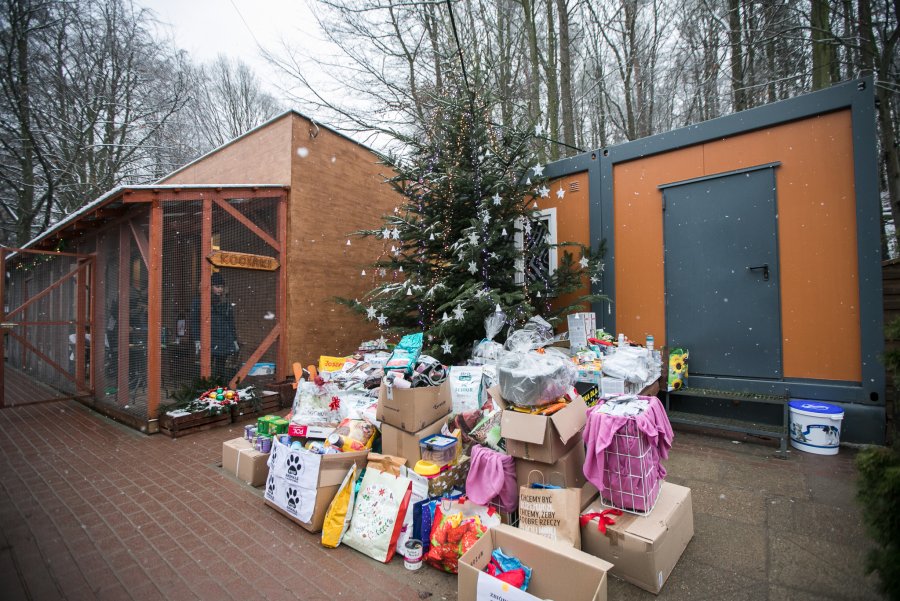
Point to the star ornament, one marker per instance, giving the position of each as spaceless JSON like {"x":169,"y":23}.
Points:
{"x":385,"y":233}
{"x":560,"y":194}
{"x":583,"y":262}
{"x":595,"y":279}
{"x":496,"y":198}
{"x":538,"y":170}
{"x":396,"y":233}
{"x":544,"y":192}
{"x":458,"y":313}
{"x":447,"y":347}
{"x":370,"y":313}
{"x":473,"y":239}
{"x":382,"y":319}
{"x":472,"y":267}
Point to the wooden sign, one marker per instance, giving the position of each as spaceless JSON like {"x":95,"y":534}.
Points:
{"x":223,"y":258}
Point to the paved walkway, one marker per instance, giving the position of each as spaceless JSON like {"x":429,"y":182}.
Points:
{"x":92,"y":510}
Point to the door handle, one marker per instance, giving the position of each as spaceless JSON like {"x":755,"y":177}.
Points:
{"x":765,"y":270}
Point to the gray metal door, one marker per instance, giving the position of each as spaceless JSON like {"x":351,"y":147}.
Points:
{"x":721,"y":266}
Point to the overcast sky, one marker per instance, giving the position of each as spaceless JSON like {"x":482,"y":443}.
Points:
{"x":206,"y":28}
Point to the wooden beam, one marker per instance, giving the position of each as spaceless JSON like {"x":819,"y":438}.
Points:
{"x":42,"y":293}
{"x":154,"y":311}
{"x":281,"y":358}
{"x":205,"y":276}
{"x":255,"y":356}
{"x":248,"y":224}
{"x":142,"y":243}
{"x":8,"y":249}
{"x":42,"y":356}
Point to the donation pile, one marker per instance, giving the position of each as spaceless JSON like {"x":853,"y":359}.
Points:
{"x":541,"y":454}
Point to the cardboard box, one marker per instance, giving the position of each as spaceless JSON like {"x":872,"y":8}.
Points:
{"x":397,"y":442}
{"x":413,"y":409}
{"x":230,"y":451}
{"x":560,"y":572}
{"x":542,"y":438}
{"x":644,"y":549}
{"x":567,"y":471}
{"x":590,"y":393}
{"x":294,"y":470}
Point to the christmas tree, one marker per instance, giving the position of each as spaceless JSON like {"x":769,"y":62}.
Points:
{"x":466,"y":237}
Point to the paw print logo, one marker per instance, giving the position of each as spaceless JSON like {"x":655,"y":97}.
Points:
{"x":293,"y":465}
{"x":274,"y":456}
{"x":270,"y":487}
{"x":292,"y":499}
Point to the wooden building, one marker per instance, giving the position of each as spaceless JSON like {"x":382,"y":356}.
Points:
{"x":229,"y":266}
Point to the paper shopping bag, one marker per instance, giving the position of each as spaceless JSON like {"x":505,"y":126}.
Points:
{"x":378,"y":514}
{"x":550,"y":511}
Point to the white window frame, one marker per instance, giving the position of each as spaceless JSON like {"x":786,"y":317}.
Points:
{"x":548,"y":215}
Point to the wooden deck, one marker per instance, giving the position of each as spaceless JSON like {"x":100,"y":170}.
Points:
{"x":20,"y":389}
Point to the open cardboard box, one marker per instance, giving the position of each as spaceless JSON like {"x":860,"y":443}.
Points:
{"x":400,"y":443}
{"x":644,"y":549}
{"x":560,"y":572}
{"x":567,"y":471}
{"x":538,"y":437}
{"x":412,"y":409}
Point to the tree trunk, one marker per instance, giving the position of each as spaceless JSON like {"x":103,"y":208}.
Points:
{"x":552,"y":84}
{"x":737,"y":55}
{"x":565,"y":78}
{"x":534,"y":84}
{"x":823,"y":59}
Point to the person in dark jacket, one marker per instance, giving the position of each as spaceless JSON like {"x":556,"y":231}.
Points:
{"x":223,"y":334}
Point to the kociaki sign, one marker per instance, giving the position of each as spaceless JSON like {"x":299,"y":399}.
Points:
{"x":223,"y":258}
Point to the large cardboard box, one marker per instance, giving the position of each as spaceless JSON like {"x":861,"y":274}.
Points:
{"x":541,"y":438}
{"x":644,"y":549}
{"x":560,"y":572}
{"x":301,"y":483}
{"x":230,"y":451}
{"x":399,"y":443}
{"x":567,"y":471}
{"x":413,"y":409}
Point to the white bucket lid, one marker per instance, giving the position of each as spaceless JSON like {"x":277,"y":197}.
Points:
{"x":816,"y":409}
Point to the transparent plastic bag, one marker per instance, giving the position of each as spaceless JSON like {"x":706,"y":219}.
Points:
{"x":533,"y":379}
{"x":488,"y":352}
{"x":631,"y":364}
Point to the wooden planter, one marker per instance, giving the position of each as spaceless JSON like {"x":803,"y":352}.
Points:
{"x":189,"y":424}
{"x":267,"y":403}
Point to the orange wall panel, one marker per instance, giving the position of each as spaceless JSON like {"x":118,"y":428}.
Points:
{"x":638,"y":224}
{"x":816,"y":231}
{"x":572,"y":225}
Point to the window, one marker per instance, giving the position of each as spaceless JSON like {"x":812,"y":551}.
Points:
{"x":543,"y":232}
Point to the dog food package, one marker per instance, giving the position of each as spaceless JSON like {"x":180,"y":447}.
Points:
{"x":405,"y":354}
{"x":465,"y":388}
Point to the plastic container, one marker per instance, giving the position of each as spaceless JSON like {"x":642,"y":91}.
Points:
{"x":438,"y":449}
{"x":815,"y":426}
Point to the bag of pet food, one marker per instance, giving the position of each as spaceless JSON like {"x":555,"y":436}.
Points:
{"x":378,"y":514}
{"x":465,"y":388}
{"x":405,"y":354}
{"x":337,"y":518}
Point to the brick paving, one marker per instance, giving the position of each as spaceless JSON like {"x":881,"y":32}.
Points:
{"x":90,"y":509}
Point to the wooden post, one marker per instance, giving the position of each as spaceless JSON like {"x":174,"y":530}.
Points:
{"x":124,"y":353}
{"x":80,"y":318}
{"x":205,"y":275}
{"x":154,"y":311}
{"x":2,"y":329}
{"x":281,"y":358}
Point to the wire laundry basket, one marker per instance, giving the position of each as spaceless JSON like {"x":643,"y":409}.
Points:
{"x":631,"y":471}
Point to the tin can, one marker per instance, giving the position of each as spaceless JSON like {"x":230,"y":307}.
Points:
{"x":265,"y":444}
{"x":412,"y":554}
{"x":284,"y":439}
{"x":249,"y":431}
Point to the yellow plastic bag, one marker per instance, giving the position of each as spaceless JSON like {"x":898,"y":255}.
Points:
{"x":337,"y":518}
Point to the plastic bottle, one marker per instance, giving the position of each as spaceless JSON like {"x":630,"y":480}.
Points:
{"x":649,"y":342}
{"x":621,"y":340}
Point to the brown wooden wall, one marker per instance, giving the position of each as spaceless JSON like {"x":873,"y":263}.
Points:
{"x":260,"y":157}
{"x":341,"y":189}
{"x":336,"y":188}
{"x":890,"y":277}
